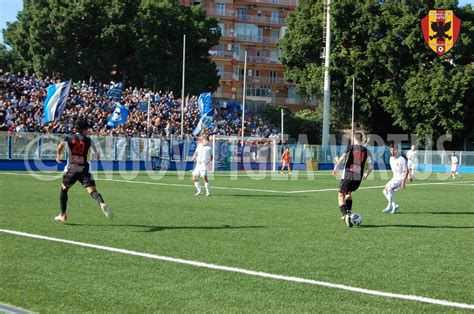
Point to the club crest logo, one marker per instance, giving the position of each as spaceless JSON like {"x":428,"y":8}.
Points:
{"x":440,"y":30}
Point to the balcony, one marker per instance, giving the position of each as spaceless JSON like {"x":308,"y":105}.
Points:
{"x":220,"y":13}
{"x":284,"y":3}
{"x":265,"y":80}
{"x":258,"y":59}
{"x":261,"y":19}
{"x":268,"y":80}
{"x":257,"y":39}
{"x":227,"y":34}
{"x":287,"y":3}
{"x":293,"y":101}
{"x":228,"y":76}
{"x":222,"y":54}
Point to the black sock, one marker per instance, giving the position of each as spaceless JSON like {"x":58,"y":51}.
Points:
{"x":96,"y":195}
{"x":343,"y":209}
{"x":63,"y":201}
{"x":349,"y":205}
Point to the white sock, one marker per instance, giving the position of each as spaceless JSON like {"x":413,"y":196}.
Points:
{"x":198,"y":186}
{"x":208,"y":187}
{"x":389,"y":196}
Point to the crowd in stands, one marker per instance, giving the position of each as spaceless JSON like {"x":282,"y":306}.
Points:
{"x":22,"y":98}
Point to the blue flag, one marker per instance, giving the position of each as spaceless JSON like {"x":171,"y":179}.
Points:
{"x":234,"y":106}
{"x":119,"y":116}
{"x":115,"y":91}
{"x":204,"y":103}
{"x":206,"y":121}
{"x":56,"y":100}
{"x":142,"y":106}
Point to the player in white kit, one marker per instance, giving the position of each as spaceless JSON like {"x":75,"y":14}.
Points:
{"x":400,"y":174}
{"x":203,"y":158}
{"x":454,"y":166}
{"x":412,"y":156}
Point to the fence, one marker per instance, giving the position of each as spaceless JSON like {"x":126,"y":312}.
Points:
{"x":35,"y":146}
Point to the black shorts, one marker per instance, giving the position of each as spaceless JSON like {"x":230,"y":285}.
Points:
{"x":78,"y":173}
{"x":347,"y":185}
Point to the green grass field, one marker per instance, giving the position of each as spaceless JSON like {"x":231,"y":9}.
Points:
{"x":425,"y":250}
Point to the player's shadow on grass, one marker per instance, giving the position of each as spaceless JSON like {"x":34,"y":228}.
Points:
{"x":417,"y":226}
{"x":161,"y":228}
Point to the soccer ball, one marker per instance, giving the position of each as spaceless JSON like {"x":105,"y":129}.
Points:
{"x":356,"y":219}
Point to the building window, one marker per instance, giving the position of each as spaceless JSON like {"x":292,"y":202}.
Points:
{"x":247,"y":32}
{"x":274,"y":36}
{"x":259,"y":91}
{"x":273,"y":76}
{"x":220,"y":8}
{"x":242,"y":14}
{"x":274,"y":18}
{"x":220,"y":69}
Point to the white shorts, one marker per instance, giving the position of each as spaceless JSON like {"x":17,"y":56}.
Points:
{"x":411,"y":165}
{"x":394,"y":184}
{"x":199,"y":172}
{"x":454,"y":168}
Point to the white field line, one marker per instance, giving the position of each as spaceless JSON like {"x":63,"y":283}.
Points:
{"x":249,"y":272}
{"x":153,"y":183}
{"x":249,"y":190}
{"x":382,"y":186}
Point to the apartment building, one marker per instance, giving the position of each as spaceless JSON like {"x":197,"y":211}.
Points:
{"x":253,"y":26}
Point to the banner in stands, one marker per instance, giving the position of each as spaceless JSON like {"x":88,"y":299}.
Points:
{"x":158,"y":163}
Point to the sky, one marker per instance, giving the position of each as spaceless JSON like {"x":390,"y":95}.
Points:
{"x":9,"y":9}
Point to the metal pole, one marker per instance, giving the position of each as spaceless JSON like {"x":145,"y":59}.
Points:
{"x":182,"y":88}
{"x":353,"y":102}
{"x":243,"y":97}
{"x":274,"y":154}
{"x":282,"y":130}
{"x":327,"y":79}
{"x":213,"y":152}
{"x":148,"y":126}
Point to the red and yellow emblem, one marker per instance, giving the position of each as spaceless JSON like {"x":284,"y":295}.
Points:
{"x":440,"y":30}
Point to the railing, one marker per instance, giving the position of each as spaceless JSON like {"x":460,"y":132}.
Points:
{"x":223,"y":54}
{"x":258,"y":59}
{"x":233,"y":55}
{"x":216,"y":12}
{"x":228,"y":76}
{"x":293,"y":101}
{"x":38,"y":146}
{"x":264,"y":80}
{"x":257,"y":39}
{"x":291,"y":3}
{"x":261,"y":19}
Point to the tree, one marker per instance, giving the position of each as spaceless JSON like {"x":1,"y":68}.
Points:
{"x":306,"y":121}
{"x":139,"y":40}
{"x":397,"y":76}
{"x":7,"y":59}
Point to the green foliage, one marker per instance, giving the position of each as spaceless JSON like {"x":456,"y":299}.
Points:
{"x":397,"y":75}
{"x":139,"y":40}
{"x":7,"y":59}
{"x":307,"y":121}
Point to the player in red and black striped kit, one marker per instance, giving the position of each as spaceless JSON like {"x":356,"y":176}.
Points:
{"x":77,"y":169}
{"x":357,"y":167}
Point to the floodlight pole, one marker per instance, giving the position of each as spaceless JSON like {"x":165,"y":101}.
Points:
{"x":327,"y":79}
{"x":353,"y":105}
{"x":182,"y":88}
{"x":148,"y":126}
{"x":243,"y":97}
